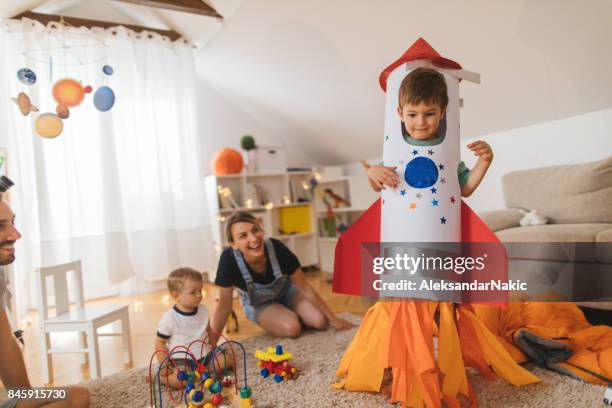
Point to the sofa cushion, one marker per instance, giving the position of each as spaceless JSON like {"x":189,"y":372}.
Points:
{"x":578,"y":193}
{"x":501,"y":219}
{"x":604,"y":236}
{"x":553,"y":233}
{"x":556,"y":242}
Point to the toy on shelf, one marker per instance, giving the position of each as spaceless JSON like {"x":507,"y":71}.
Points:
{"x":226,"y":199}
{"x":341,"y":228}
{"x":247,"y":143}
{"x":336,"y":200}
{"x":276,"y":361}
{"x":204,"y":384}
{"x":227,"y":161}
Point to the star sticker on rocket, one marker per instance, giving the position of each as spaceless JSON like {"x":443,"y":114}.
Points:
{"x":412,"y":206}
{"x":430,"y":152}
{"x":434,"y":202}
{"x":452,"y":200}
{"x":434,"y":190}
{"x":419,"y":195}
{"x":415,"y":152}
{"x":442,"y":180}
{"x":403,"y":192}
{"x":442,"y":220}
{"x":441,"y":166}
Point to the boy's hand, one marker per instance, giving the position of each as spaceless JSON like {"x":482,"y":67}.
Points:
{"x":374,"y":185}
{"x":482,"y":150}
{"x":380,"y":176}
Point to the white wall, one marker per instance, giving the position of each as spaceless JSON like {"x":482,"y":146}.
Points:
{"x":309,"y":69}
{"x":577,"y":139}
{"x":221,"y":124}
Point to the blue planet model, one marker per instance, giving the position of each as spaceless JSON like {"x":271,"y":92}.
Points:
{"x":108,"y":70}
{"x":104,"y":99}
{"x":26,"y":76}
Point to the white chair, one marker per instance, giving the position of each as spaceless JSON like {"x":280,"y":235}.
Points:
{"x":83,"y":319}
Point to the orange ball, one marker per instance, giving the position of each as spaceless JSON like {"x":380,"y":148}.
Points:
{"x":68,"y":92}
{"x":227,"y":161}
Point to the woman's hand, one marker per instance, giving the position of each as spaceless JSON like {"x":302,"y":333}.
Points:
{"x":340,"y":324}
{"x":380,"y":176}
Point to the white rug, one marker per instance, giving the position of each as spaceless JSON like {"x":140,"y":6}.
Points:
{"x":317,"y":354}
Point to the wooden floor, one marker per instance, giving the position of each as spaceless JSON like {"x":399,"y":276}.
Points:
{"x":145,"y":312}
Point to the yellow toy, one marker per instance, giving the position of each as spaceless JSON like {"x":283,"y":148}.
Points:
{"x":275,"y":361}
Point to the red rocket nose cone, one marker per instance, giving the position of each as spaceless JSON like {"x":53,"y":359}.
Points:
{"x":420,"y":49}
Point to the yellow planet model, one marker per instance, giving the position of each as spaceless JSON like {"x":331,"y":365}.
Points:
{"x":48,"y":125}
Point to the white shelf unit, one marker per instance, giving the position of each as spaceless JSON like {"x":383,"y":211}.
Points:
{"x":264,"y":195}
{"x":357,"y":191}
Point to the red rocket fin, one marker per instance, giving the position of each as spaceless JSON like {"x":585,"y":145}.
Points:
{"x":347,"y":259}
{"x":473,"y":229}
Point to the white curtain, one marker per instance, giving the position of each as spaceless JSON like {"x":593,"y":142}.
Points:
{"x":120,"y":190}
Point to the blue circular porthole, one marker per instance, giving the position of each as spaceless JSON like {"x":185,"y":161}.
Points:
{"x":421,"y":172}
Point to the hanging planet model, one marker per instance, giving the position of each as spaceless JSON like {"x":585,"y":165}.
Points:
{"x":104,"y":98}
{"x":25,"y":105}
{"x":68,"y":92}
{"x":48,"y":125}
{"x":26,"y":76}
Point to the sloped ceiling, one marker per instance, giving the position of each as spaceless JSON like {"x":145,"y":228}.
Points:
{"x":309,"y":69}
{"x":196,"y":28}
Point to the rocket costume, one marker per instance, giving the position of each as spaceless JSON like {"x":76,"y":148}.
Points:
{"x":426,"y":207}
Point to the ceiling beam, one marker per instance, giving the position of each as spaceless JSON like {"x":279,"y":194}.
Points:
{"x":186,"y":6}
{"x":82,"y":22}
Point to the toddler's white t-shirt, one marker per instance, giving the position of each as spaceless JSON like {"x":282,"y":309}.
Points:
{"x":182,"y":328}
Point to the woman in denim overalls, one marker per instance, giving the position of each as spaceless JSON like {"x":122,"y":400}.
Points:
{"x":280,"y":305}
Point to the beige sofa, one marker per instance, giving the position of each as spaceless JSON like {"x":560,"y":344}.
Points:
{"x":577,"y":200}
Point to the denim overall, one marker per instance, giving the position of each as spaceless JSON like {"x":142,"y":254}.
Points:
{"x":280,"y":290}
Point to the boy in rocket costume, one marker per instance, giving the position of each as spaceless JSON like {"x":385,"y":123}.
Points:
{"x":424,"y":206}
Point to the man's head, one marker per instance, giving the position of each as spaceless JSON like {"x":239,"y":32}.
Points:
{"x":185,"y":286}
{"x":8,"y":233}
{"x":423,"y":98}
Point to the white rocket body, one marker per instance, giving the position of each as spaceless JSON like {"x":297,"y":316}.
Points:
{"x":424,"y":207}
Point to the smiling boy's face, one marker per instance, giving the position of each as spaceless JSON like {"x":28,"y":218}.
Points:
{"x":421,"y":120}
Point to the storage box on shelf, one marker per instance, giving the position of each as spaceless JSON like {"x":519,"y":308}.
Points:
{"x":282,"y":201}
{"x":357,"y":192}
